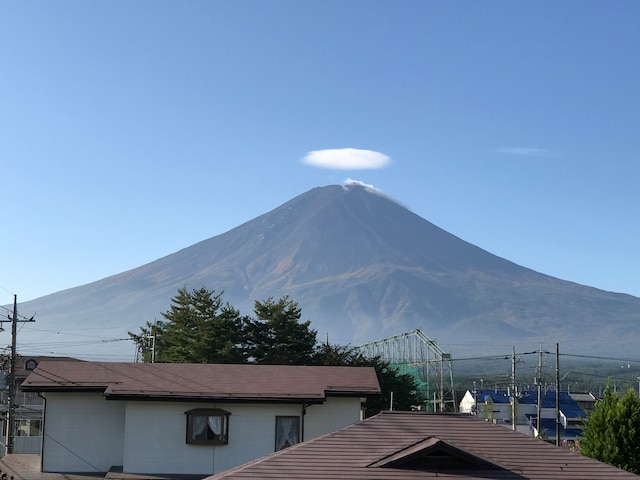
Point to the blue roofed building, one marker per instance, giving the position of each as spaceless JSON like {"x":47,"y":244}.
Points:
{"x":501,"y":407}
{"x":571,"y":417}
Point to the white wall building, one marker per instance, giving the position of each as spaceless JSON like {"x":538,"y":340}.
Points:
{"x":186,"y":418}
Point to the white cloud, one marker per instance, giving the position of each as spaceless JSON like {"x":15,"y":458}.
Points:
{"x":351,"y":181}
{"x":369,"y":188}
{"x":525,"y":151}
{"x":346,"y":159}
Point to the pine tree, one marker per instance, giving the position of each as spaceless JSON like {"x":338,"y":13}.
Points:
{"x":277,"y":336}
{"x":198,"y":328}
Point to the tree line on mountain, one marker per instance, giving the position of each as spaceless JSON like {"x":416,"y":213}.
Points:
{"x":200,"y":327}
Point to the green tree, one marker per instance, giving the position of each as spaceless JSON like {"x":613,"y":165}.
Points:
{"x":612,"y":432}
{"x":198,"y":328}
{"x":277,"y":336}
{"x":338,"y":356}
{"x":392,"y":381}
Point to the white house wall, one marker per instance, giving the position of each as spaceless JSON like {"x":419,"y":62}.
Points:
{"x":154,"y":438}
{"x":335,"y":413}
{"x":525,"y":410}
{"x":27,"y":444}
{"x":467,"y":403}
{"x":83,"y":432}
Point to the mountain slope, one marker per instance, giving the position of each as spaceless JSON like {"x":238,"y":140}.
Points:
{"x":362,"y":267}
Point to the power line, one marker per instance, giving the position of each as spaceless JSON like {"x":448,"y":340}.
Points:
{"x":8,"y":291}
{"x":593,"y":357}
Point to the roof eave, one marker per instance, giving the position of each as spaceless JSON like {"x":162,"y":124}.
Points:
{"x":212,"y":399}
{"x":361,"y":393}
{"x":64,"y":388}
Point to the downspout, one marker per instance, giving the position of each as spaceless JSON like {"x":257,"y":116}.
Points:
{"x":44,"y":413}
{"x":303,"y":414}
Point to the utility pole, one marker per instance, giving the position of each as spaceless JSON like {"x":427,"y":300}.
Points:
{"x":513,"y":389}
{"x":539,"y":383}
{"x":557,"y":395}
{"x":474,"y":410}
{"x":11,"y":394}
{"x":153,"y":336}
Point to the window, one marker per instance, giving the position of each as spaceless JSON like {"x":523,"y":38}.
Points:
{"x":29,"y":427}
{"x":287,"y":432}
{"x":207,"y":426}
{"x":30,"y":364}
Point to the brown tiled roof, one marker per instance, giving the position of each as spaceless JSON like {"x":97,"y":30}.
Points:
{"x":414,"y":445}
{"x":24,"y":361}
{"x":204,"y":381}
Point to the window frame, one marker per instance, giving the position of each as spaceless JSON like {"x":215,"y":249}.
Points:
{"x":277,"y":430}
{"x":221,"y":439}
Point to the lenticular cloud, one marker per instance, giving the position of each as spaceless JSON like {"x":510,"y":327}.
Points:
{"x":346,"y":159}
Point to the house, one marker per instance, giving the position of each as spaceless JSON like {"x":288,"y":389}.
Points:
{"x":571,"y":417}
{"x":418,"y":445}
{"x":27,"y":425}
{"x":497,"y":406}
{"x":491,"y":405}
{"x":195,"y":419}
{"x":585,"y":400}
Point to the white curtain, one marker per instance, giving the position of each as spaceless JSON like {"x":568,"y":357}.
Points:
{"x":287,"y":433}
{"x":215,"y":424}
{"x":199,"y":424}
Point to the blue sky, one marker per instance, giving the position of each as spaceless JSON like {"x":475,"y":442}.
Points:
{"x":130,"y":130}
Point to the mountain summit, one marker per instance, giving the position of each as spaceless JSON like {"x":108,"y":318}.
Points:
{"x":362,"y":267}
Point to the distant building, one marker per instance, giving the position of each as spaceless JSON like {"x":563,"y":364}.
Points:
{"x":585,"y":400}
{"x":497,"y":406}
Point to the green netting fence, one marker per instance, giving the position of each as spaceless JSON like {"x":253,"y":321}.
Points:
{"x":425,"y":390}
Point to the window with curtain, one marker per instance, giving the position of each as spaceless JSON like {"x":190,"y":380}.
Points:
{"x":287,"y":432}
{"x":208,"y":426}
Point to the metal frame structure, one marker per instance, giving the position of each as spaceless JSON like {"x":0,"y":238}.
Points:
{"x":417,"y":350}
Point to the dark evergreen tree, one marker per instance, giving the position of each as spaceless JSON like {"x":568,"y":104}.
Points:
{"x":612,"y":432}
{"x":198,"y":328}
{"x":277,"y":336}
{"x":401,"y":386}
{"x":338,"y":355}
